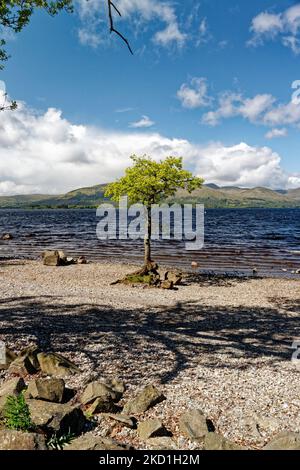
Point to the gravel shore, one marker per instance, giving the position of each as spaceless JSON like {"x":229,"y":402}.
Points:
{"x":221,"y":345}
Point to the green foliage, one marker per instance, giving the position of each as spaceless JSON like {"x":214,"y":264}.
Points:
{"x":16,"y":414}
{"x":16,"y":14}
{"x":56,"y":442}
{"x":150,"y":182}
{"x":139,"y":279}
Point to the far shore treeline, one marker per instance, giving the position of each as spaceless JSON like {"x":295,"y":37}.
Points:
{"x":210,"y":195}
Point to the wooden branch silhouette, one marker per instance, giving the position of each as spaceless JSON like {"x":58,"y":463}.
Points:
{"x":111,"y":7}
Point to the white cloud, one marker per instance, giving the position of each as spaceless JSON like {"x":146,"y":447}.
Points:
{"x":194,"y":95}
{"x":46,"y":153}
{"x":260,"y":109}
{"x":93,"y":15}
{"x":273,"y":133}
{"x":284,"y":25}
{"x":143,"y":123}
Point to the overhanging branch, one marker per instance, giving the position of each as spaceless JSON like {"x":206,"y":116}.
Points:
{"x":111,"y":7}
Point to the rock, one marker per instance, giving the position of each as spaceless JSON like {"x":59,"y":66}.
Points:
{"x":57,"y":418}
{"x":163,"y":274}
{"x":298,"y":271}
{"x":284,"y":441}
{"x":162,"y":443}
{"x":214,"y":441}
{"x":95,"y":390}
{"x":55,"y":364}
{"x":90,"y":442}
{"x":10,"y":356}
{"x":194,"y":425}
{"x":69,"y":260}
{"x":7,"y":236}
{"x":51,"y":258}
{"x":46,"y":389}
{"x":26,"y":362}
{"x":194,"y":264}
{"x":167,"y":285}
{"x":151,"y":428}
{"x":81,"y":260}
{"x":12,"y":387}
{"x":118,"y":386}
{"x":176,"y":278}
{"x":146,"y":399}
{"x":17,"y":440}
{"x":102,"y":405}
{"x":122,"y":419}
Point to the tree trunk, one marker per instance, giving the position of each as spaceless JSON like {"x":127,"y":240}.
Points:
{"x":147,"y":241}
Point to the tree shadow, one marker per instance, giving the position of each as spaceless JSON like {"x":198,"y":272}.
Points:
{"x":156,"y":344}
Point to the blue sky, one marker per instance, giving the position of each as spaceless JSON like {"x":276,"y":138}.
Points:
{"x":210,"y":80}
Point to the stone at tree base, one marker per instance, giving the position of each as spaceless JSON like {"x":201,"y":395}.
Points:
{"x":147,"y":398}
{"x":193,"y":424}
{"x":10,"y":357}
{"x":51,"y":258}
{"x":121,"y":419}
{"x":151,"y":428}
{"x":58,"y":418}
{"x":284,"y":441}
{"x":176,"y":278}
{"x":96,"y":390}
{"x":82,"y":260}
{"x":55,"y":364}
{"x":167,"y":285}
{"x":46,"y":389}
{"x":12,"y":387}
{"x":214,"y":441}
{"x":162,"y":443}
{"x":17,"y":440}
{"x":90,"y":442}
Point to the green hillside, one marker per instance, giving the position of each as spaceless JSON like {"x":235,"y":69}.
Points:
{"x":210,"y":195}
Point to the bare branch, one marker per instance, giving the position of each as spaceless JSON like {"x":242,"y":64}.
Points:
{"x":112,"y":6}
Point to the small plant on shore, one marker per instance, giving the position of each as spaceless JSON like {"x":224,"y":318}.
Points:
{"x":16,"y":414}
{"x":56,"y":442}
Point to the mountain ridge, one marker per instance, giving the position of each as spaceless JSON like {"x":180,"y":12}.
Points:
{"x":211,"y":195}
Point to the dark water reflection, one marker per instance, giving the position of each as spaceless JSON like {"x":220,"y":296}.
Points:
{"x":235,"y":240}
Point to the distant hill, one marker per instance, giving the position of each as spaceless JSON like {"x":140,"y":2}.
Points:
{"x":211,"y":195}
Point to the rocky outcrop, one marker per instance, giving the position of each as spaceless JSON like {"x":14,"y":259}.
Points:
{"x":46,"y":389}
{"x":284,"y":441}
{"x":17,"y":440}
{"x":55,"y":364}
{"x":57,"y":418}
{"x":12,"y":387}
{"x":151,"y":428}
{"x":214,"y":441}
{"x":194,"y":425}
{"x":91,"y":442}
{"x":147,"y":398}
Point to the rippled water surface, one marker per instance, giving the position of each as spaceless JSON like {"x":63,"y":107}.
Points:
{"x":235,"y":240}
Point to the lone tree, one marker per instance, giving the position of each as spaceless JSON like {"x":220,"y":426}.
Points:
{"x":150,"y":182}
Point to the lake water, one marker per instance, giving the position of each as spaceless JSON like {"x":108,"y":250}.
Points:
{"x":236,"y":241}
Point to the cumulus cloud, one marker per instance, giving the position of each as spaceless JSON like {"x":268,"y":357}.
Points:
{"x":144,"y":122}
{"x":273,"y":133}
{"x":194,"y":94}
{"x":93,"y":16}
{"x":284,"y":25}
{"x":46,"y":153}
{"x":261,"y":109}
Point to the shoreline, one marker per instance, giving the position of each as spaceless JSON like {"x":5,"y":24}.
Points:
{"x":220,"y":345}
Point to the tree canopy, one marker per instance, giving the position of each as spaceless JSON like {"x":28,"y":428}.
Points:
{"x":151,"y":182}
